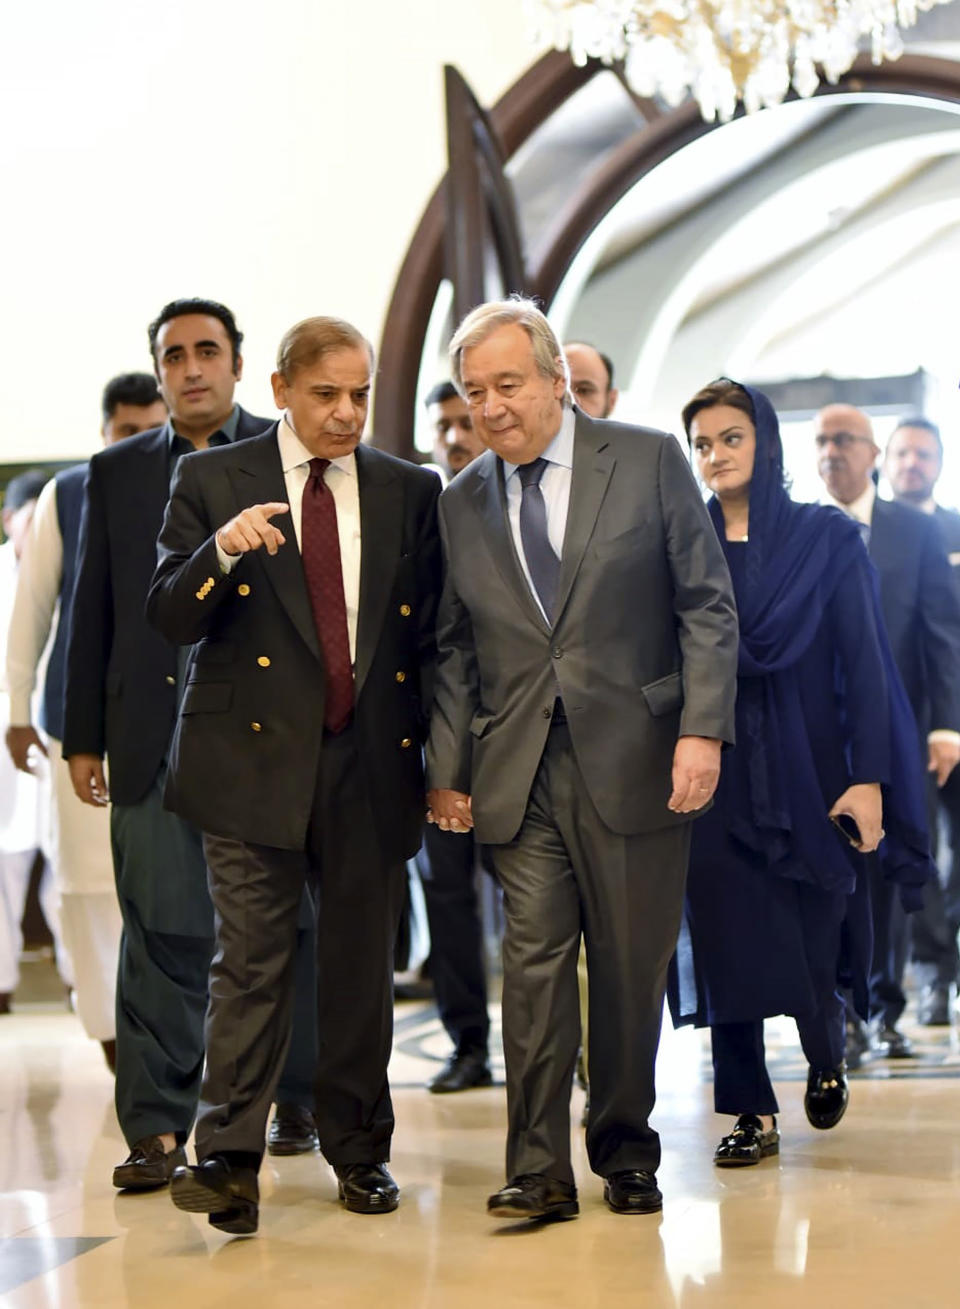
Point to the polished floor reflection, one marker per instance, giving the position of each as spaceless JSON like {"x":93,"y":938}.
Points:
{"x":868,"y":1214}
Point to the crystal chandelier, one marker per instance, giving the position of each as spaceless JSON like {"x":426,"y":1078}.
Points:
{"x":725,"y":51}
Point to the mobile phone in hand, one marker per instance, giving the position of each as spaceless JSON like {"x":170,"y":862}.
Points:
{"x":847,"y":826}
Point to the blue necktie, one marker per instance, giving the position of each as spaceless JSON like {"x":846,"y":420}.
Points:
{"x":543,"y":564}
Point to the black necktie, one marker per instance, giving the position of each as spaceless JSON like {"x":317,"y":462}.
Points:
{"x":543,"y":564}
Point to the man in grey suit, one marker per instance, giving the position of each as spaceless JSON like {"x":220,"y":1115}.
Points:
{"x":586,"y":678}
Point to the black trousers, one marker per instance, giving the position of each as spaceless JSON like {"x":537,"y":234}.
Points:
{"x":447,"y":864}
{"x":741,"y":1083}
{"x":256,"y":892}
{"x":163,"y":970}
{"x":934,"y":928}
{"x":565,"y":873}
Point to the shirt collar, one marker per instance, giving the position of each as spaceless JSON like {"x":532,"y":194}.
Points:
{"x":862,"y":508}
{"x":226,"y":432}
{"x":560,"y":449}
{"x":293,"y":452}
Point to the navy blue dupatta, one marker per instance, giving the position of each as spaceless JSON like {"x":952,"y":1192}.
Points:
{"x":771,"y":795}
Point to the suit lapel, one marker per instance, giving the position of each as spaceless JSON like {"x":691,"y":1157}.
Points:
{"x":381,"y":541}
{"x":257,"y":479}
{"x":593,"y":466}
{"x":490,"y":501}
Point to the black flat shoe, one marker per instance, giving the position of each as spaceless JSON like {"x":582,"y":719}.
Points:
{"x":632,"y":1191}
{"x":148,"y":1165}
{"x":532,"y":1195}
{"x":292,"y":1131}
{"x":825,"y":1100}
{"x":367,"y":1188}
{"x":747,"y":1144}
{"x":462,"y":1072}
{"x":226,"y":1192}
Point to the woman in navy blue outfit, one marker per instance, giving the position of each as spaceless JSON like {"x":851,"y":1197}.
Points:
{"x":776,"y":912}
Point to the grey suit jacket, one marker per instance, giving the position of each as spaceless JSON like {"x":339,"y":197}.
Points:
{"x":644,"y":647}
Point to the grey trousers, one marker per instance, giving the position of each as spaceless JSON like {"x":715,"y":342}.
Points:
{"x":256,"y":893}
{"x":564,"y":874}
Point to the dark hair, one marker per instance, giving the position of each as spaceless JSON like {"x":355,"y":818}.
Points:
{"x":720,"y":392}
{"x":23,"y":488}
{"x":129,"y":389}
{"x":604,"y":359}
{"x":194,"y":305}
{"x":442,"y":391}
{"x":924,"y":424}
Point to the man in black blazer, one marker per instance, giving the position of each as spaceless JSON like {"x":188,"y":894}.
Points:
{"x":912,"y":464}
{"x":122,"y":689}
{"x":922,"y":614}
{"x":303,"y":567}
{"x":586,"y":673}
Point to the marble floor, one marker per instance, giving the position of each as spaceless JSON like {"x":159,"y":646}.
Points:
{"x":866,"y":1215}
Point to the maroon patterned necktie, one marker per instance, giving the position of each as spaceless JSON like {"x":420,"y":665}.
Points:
{"x":320,"y":549}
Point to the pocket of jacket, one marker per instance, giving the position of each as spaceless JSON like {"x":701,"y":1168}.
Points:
{"x":624,"y":543}
{"x":207,"y":698}
{"x":214,"y":652}
{"x":479,"y":724}
{"x":663,"y":695}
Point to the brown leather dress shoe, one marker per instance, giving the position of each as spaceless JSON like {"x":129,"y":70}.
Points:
{"x":148,"y":1165}
{"x":292,"y":1131}
{"x":747,"y":1144}
{"x":632,"y":1191}
{"x":367,"y":1188}
{"x":532,"y":1195}
{"x":227,"y":1192}
{"x":461,"y":1072}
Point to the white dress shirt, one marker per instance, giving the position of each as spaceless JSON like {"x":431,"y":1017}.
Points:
{"x":341,"y":478}
{"x":555,"y":488}
{"x":32,"y":622}
{"x":861,"y":510}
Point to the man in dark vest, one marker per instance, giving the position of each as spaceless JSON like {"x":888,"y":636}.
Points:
{"x":913,"y":464}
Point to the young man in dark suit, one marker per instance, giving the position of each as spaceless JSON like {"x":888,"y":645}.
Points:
{"x":303,"y":567}
{"x":122,"y":690}
{"x":912,"y":464}
{"x":921,"y":610}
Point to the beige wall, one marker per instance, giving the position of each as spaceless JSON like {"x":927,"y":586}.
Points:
{"x":276,"y":156}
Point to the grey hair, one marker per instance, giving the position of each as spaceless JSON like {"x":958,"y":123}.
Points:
{"x":486,"y":319}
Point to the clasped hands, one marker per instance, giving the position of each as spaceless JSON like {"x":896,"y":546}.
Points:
{"x":696,"y":771}
{"x":251,"y":529}
{"x":450,"y":810}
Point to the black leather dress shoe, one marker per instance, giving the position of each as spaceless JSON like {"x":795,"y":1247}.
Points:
{"x":747,"y":1144}
{"x":890,"y":1043}
{"x":367,"y":1188}
{"x":292,"y":1131}
{"x":228,"y":1193}
{"x":532,"y":1195}
{"x":461,"y":1072}
{"x":933,"y":1006}
{"x":825,"y":1100}
{"x":148,"y":1165}
{"x":632,"y":1191}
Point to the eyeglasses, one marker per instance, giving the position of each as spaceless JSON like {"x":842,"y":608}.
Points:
{"x":842,"y":440}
